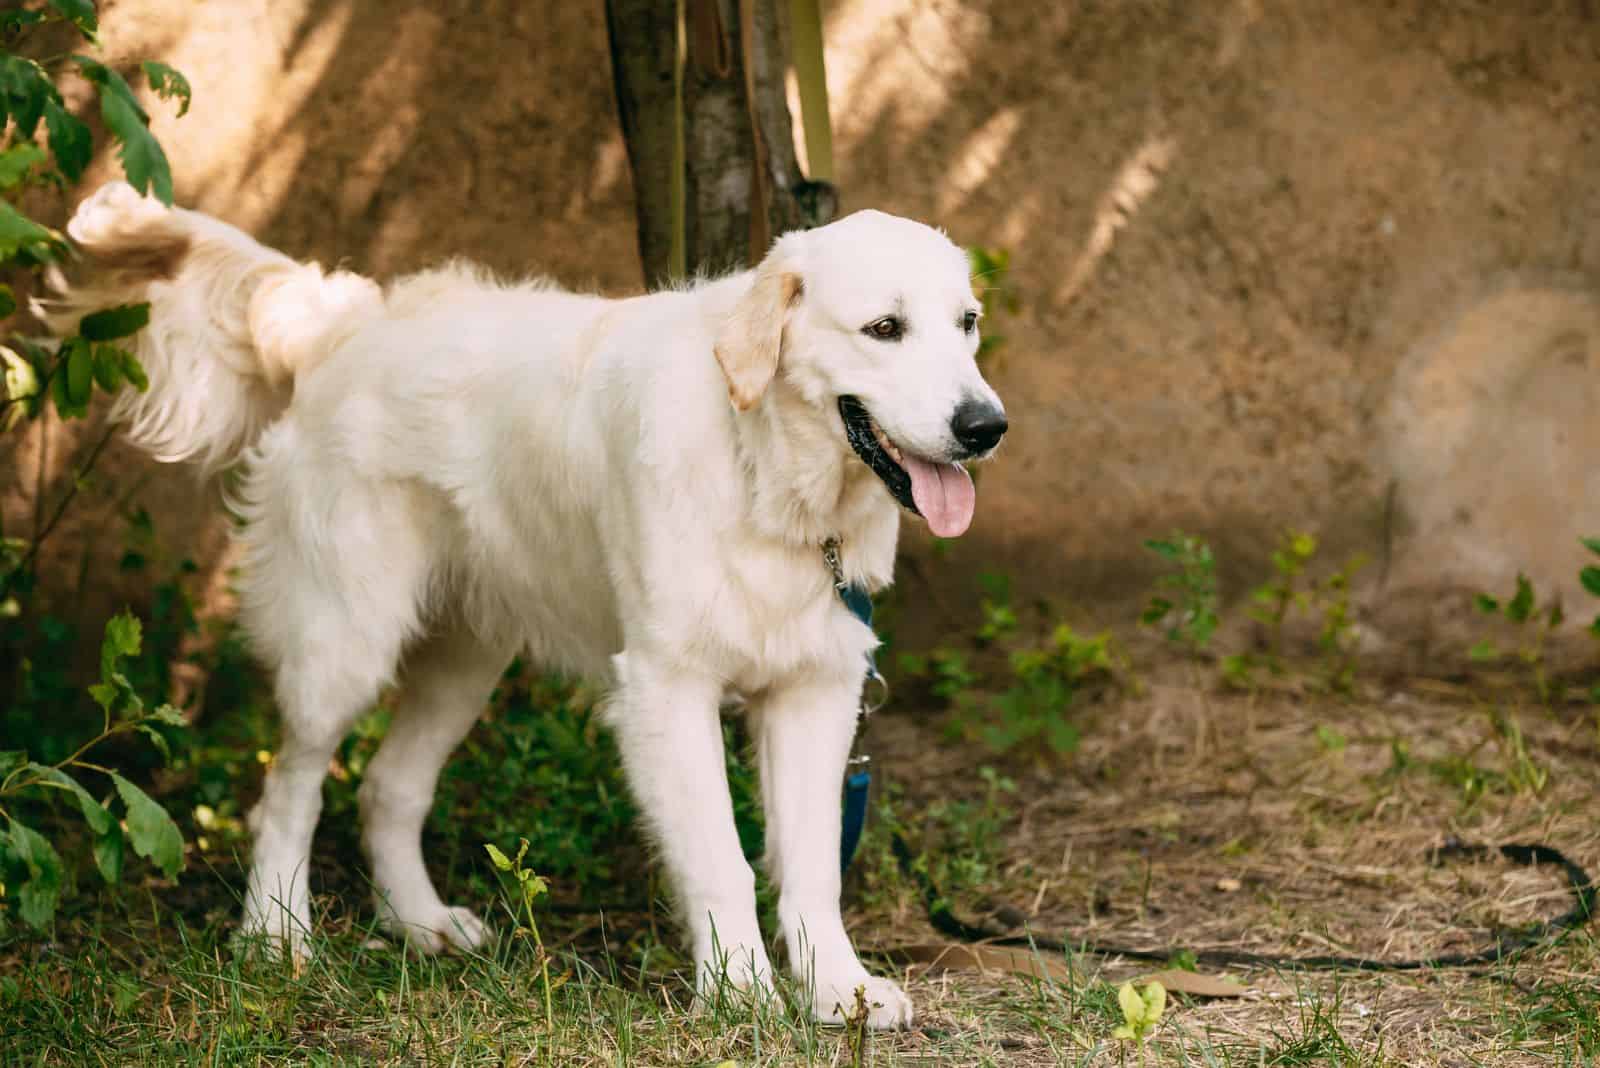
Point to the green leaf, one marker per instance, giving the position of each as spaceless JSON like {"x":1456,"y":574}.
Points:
{"x":1155,"y":1002}
{"x":21,"y":379}
{"x":1483,"y":652}
{"x":21,"y":236}
{"x":1520,"y":608}
{"x":17,"y":161}
{"x":1486,"y":604}
{"x":8,"y":301}
{"x":1155,"y":611}
{"x":1167,"y":549}
{"x":38,"y":895}
{"x":1590,"y":577}
{"x":168,"y":84}
{"x":124,"y":635}
{"x":150,"y":829}
{"x":170,"y":716}
{"x":11,"y":760}
{"x":80,"y":13}
{"x":80,"y":372}
{"x":70,"y":140}
{"x":25,"y":87}
{"x":94,"y":813}
{"x":133,"y":370}
{"x":111,"y":324}
{"x":1592,"y":544}
{"x":108,"y":368}
{"x":142,"y":159}
{"x":108,"y":854}
{"x":157,"y":739}
{"x":501,"y":861}
{"x":15,"y":20}
{"x":58,"y":394}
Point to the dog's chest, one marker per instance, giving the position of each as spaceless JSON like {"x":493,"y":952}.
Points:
{"x":775,"y":614}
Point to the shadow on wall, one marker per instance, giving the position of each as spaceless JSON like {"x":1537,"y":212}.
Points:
{"x":1229,"y":223}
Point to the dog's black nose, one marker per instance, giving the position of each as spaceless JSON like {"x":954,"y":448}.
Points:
{"x":978,"y":425}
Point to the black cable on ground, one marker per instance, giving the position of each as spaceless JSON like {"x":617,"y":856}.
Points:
{"x":1580,"y":884}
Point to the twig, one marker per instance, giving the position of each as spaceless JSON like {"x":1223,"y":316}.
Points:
{"x":72,"y":491}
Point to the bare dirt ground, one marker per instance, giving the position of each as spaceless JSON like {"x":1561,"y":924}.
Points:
{"x":1287,"y":824}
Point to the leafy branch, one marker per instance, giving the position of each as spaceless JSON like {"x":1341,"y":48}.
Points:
{"x":28,"y":861}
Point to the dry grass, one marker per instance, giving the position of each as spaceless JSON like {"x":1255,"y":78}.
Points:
{"x":1280,"y":823}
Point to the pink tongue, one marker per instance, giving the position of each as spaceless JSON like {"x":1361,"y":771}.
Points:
{"x":944,"y":495}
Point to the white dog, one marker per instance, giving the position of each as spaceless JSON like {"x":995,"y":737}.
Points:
{"x":440,"y":474}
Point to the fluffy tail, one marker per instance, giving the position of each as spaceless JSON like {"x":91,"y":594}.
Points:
{"x":231,"y":321}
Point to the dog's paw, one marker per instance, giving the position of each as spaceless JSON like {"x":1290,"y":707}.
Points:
{"x":285,"y":943}
{"x":744,"y":975}
{"x":445,"y":927}
{"x":888,"y":1007}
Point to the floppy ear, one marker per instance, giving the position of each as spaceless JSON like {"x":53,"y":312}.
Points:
{"x":748,"y":345}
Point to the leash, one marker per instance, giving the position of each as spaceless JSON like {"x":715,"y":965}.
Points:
{"x":858,"y":772}
{"x":1579,"y":883}
{"x":858,"y":782}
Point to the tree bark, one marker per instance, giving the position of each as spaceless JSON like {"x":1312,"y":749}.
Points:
{"x":644,"y":55}
{"x":742,"y":184}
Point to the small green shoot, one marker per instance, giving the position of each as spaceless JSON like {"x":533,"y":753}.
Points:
{"x":1141,"y":1012}
{"x":1534,"y":626}
{"x":1190,"y":612}
{"x":530,"y":888}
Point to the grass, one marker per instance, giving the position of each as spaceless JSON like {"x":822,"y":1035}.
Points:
{"x":1285,"y":819}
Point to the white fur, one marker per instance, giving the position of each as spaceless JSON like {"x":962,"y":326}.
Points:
{"x":467,"y":469}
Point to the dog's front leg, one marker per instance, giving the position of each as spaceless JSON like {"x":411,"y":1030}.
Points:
{"x":670,"y":735}
{"x":803,"y":735}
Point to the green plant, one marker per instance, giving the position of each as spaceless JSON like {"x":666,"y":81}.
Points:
{"x":1274,"y":599}
{"x":957,"y":840}
{"x":991,"y":269}
{"x":1589,"y":576}
{"x":946,"y":671}
{"x":1290,"y":589}
{"x":1141,"y":1012}
{"x":1190,"y":612}
{"x":1337,"y":637}
{"x":30,"y":97}
{"x":999,"y":618}
{"x":530,"y":888}
{"x":541,"y":760}
{"x":30,"y":866}
{"x":1533,"y":624}
{"x":1045,"y":684}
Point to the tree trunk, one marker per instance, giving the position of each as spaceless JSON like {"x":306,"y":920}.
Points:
{"x":644,"y":57}
{"x":742,"y":184}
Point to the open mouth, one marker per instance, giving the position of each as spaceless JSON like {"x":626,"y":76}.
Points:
{"x":939,"y":491}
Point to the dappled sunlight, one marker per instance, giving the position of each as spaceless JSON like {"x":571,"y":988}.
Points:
{"x":900,"y":57}
{"x":233,"y":153}
{"x":976,"y":161}
{"x":1136,"y":181}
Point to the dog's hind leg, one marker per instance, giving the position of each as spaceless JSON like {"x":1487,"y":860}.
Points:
{"x":320,"y":698}
{"x":335,"y":570}
{"x":445,"y":683}
{"x":803,"y":734}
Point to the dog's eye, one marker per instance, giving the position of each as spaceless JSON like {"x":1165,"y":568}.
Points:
{"x":969,"y":322}
{"x":888,"y":328}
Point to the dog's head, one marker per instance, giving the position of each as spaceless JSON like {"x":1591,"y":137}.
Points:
{"x":873,"y":319}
